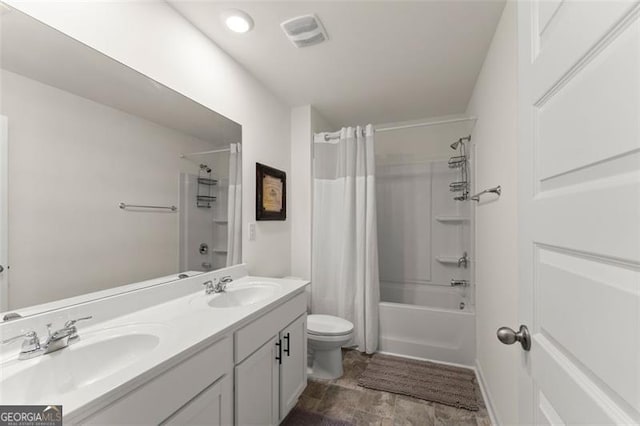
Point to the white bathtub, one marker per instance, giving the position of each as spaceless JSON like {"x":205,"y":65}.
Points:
{"x":427,"y":321}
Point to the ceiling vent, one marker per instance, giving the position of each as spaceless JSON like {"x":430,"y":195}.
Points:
{"x":304,"y":31}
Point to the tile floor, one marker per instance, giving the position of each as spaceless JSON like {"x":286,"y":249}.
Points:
{"x":343,"y":399}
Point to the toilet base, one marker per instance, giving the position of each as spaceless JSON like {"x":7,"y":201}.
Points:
{"x":327,"y":364}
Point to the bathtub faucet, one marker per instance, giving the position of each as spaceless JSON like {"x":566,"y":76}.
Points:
{"x":459,"y":283}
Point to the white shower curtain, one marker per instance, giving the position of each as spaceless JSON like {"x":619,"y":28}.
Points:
{"x":234,"y":206}
{"x":345,"y":279}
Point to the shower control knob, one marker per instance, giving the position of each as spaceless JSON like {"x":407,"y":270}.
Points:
{"x":1,"y":269}
{"x":507,"y":336}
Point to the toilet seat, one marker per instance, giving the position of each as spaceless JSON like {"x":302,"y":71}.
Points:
{"x":328,"y":325}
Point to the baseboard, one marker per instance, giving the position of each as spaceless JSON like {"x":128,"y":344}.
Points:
{"x":488,"y":400}
{"x":435,"y":361}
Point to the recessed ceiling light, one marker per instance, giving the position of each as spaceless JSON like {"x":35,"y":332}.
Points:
{"x":237,"y":21}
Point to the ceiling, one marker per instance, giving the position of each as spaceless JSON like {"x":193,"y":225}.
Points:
{"x":39,"y":52}
{"x":385,"y":61}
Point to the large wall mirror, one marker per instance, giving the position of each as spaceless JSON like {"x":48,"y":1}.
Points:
{"x":113,"y":178}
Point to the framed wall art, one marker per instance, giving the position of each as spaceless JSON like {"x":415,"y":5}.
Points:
{"x":271,"y":193}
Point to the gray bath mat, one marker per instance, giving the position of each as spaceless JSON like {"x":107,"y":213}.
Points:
{"x":300,"y":417}
{"x":439,"y":383}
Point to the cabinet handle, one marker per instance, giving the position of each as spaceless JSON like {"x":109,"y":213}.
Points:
{"x":286,"y":337}
{"x":279,"y":356}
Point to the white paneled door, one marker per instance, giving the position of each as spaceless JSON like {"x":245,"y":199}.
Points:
{"x":579,"y":183}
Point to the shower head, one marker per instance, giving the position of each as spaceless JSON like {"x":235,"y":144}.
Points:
{"x":459,"y":142}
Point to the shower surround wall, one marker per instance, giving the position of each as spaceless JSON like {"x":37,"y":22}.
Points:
{"x":421,"y":232}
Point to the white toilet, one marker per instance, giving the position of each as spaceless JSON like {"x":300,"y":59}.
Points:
{"x":326,"y":334}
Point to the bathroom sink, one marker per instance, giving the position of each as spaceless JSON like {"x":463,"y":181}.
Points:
{"x":238,"y":295}
{"x":94,"y":357}
{"x":243,"y":296}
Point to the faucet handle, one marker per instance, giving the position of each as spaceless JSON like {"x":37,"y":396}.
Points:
{"x":208,"y":286}
{"x":27,"y":335}
{"x":226,"y":279}
{"x":74,"y":321}
{"x":71,"y":325}
{"x":30,"y":345}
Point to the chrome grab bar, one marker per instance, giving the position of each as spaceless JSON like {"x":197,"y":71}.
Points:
{"x":136,"y":206}
{"x":495,"y":190}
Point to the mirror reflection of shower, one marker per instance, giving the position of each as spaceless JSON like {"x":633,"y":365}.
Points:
{"x":203,"y":213}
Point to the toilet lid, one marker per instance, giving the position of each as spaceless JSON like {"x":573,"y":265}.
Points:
{"x":328,"y":325}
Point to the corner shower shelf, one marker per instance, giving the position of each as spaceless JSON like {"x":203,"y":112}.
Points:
{"x":452,"y":219}
{"x":207,"y":181}
{"x":447,"y":260}
{"x":206,"y":198}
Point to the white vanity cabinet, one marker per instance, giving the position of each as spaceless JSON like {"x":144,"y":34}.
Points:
{"x":252,"y":376}
{"x":270,"y":375}
{"x":194,"y":389}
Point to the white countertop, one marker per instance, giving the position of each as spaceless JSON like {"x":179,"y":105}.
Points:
{"x":184,"y":326}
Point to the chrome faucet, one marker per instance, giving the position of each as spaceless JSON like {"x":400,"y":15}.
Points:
{"x":59,"y":339}
{"x":209,"y":286}
{"x":217,"y":285}
{"x":464,"y":260}
{"x":223,"y":283}
{"x":459,"y":283}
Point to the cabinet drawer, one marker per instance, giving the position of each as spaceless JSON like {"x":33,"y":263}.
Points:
{"x":249,"y":338}
{"x":163,"y":395}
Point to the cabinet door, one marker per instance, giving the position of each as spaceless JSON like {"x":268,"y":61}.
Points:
{"x":214,"y":406}
{"x":256,"y":393}
{"x":293,"y":371}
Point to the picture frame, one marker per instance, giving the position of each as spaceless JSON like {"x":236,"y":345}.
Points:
{"x":271,"y":193}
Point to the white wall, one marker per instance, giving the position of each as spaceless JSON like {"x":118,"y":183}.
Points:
{"x":305,"y":121}
{"x":494,"y":102}
{"x":300,"y":192}
{"x":72,"y":162}
{"x":153,"y":39}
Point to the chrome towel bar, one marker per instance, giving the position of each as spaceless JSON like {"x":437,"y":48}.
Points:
{"x":136,"y":206}
{"x":495,"y":190}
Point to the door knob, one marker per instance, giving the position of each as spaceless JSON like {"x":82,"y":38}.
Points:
{"x":1,"y":268}
{"x":507,"y":336}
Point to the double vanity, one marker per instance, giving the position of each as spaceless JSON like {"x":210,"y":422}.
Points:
{"x":185,"y":352}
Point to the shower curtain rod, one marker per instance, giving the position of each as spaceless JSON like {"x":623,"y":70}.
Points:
{"x":334,"y":135}
{"x":204,"y":152}
{"x":425,"y":124}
